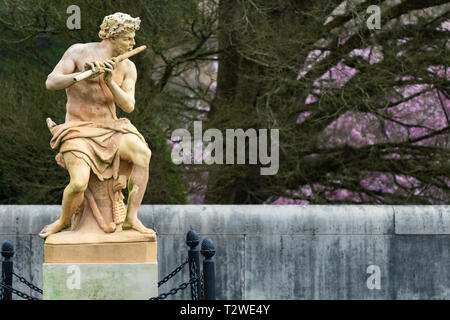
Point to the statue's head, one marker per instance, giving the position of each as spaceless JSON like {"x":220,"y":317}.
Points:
{"x":119,"y":28}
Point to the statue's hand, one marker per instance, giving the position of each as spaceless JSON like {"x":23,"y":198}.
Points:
{"x":110,"y":65}
{"x":99,"y":67}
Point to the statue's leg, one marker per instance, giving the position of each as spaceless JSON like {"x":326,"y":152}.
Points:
{"x":73,"y":195}
{"x":135,"y":151}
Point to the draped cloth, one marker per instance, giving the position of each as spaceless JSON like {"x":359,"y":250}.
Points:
{"x":96,"y":143}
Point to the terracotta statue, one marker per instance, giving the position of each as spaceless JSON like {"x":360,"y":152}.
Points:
{"x":101,"y":152}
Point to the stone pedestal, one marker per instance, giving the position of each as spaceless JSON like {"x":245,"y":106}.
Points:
{"x":101,"y":271}
{"x":94,"y":262}
{"x":100,"y":281}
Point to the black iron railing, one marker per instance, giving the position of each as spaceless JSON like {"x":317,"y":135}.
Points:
{"x":202,"y":283}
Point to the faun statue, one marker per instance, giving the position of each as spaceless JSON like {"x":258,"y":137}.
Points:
{"x":103,"y":154}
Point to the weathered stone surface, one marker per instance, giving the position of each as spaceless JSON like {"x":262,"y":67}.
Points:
{"x":36,"y":259}
{"x":420,"y":266}
{"x":282,"y":252}
{"x":315,"y":267}
{"x":26,"y":219}
{"x":103,"y":281}
{"x":264,"y":219}
{"x":422,"y":219}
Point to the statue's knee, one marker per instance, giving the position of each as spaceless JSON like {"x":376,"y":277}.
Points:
{"x":78,"y":186}
{"x":144,"y":157}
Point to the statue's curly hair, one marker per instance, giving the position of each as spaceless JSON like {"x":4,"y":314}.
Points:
{"x":117,"y":23}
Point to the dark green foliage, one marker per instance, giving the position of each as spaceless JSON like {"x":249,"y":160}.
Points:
{"x":261,"y":46}
{"x":266,"y":43}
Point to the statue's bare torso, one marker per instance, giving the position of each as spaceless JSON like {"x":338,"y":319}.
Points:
{"x":91,"y":100}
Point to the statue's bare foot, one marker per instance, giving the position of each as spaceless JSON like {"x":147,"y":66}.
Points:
{"x":52,"y":228}
{"x":138,"y":226}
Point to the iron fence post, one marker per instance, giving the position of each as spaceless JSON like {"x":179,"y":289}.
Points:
{"x":209,"y":277}
{"x":192,"y":240}
{"x":7,"y":268}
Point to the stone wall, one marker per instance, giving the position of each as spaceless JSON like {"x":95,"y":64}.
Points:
{"x":282,"y":252}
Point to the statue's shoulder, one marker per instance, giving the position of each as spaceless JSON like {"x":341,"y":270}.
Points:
{"x":129,"y":66}
{"x":128,"y":63}
{"x":76,"y":47}
{"x":81,"y":48}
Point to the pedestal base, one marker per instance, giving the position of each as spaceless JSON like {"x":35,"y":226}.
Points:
{"x":100,"y":281}
{"x":119,"y":247}
{"x":117,"y":266}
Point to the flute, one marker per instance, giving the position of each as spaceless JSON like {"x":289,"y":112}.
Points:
{"x":88,"y":73}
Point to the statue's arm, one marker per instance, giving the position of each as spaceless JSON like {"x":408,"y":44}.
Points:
{"x":62,"y":75}
{"x":124,"y":95}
